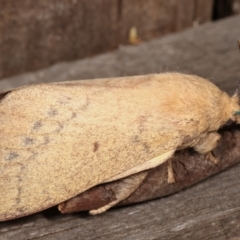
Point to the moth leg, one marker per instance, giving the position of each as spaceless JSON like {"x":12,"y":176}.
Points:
{"x":152,"y":163}
{"x":211,"y":157}
{"x":171,"y":178}
{"x":126,"y":187}
{"x":206,"y":144}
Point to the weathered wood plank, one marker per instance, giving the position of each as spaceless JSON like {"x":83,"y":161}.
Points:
{"x":155,"y":18}
{"x":209,"y":51}
{"x":37,"y":34}
{"x":203,"y":11}
{"x":208,"y":210}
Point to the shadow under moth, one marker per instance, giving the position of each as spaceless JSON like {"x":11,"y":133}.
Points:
{"x":59,"y":140}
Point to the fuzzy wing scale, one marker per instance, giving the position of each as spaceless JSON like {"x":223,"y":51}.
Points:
{"x":59,"y":140}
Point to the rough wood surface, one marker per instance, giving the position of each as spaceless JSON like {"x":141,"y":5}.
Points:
{"x":37,"y":34}
{"x":208,"y":210}
{"x":203,"y":11}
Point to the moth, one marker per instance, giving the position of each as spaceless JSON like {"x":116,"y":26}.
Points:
{"x":59,"y":139}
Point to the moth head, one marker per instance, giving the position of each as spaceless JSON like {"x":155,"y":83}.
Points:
{"x":236,"y":105}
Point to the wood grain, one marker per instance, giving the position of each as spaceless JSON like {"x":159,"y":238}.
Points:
{"x":37,"y":35}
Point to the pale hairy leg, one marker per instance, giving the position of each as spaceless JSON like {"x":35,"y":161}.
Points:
{"x":152,"y":163}
{"x":171,"y":178}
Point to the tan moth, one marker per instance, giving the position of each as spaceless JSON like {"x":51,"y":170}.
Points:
{"x":60,"y":139}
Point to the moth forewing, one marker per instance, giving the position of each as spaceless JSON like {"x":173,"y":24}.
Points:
{"x":59,"y":140}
